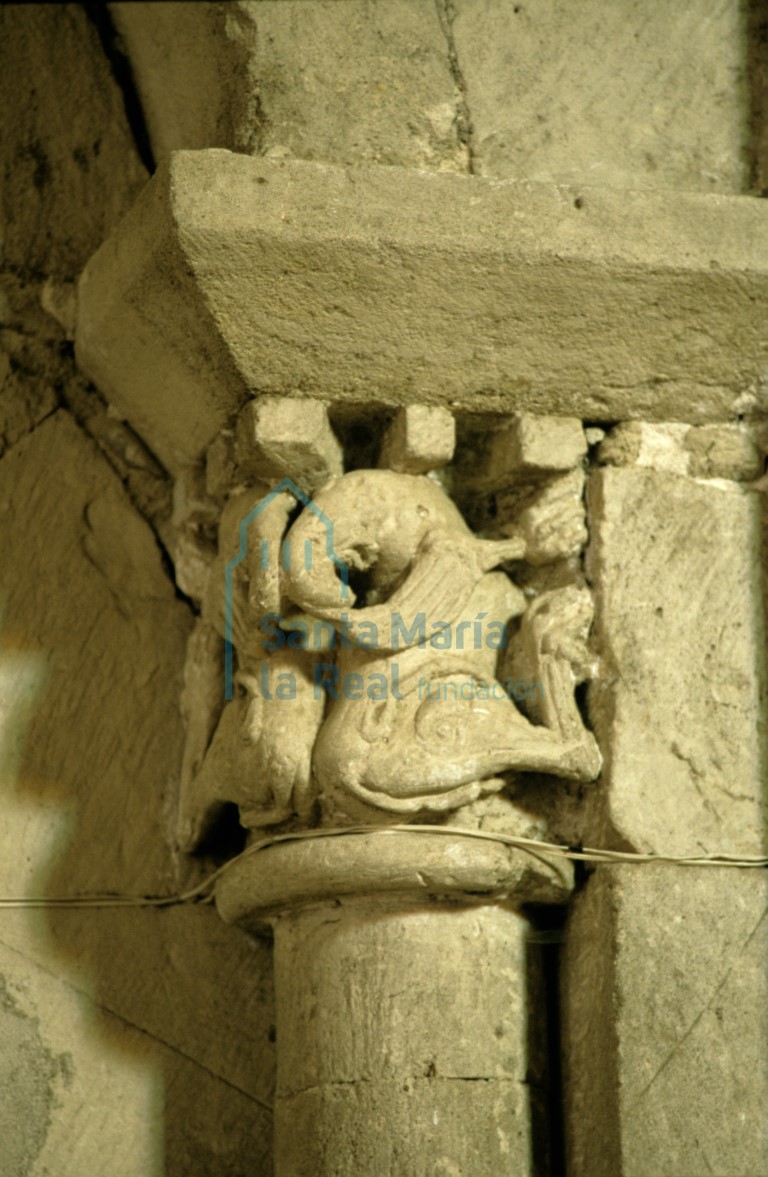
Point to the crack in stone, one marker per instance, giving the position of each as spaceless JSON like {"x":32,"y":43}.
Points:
{"x":366,"y":1081}
{"x":262,"y":1103}
{"x":446,"y":13}
{"x":720,"y":986}
{"x":112,"y":459}
{"x":122,"y":72}
{"x":105,"y":1009}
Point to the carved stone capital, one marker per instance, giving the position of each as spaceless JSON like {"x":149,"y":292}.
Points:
{"x":383,"y":660}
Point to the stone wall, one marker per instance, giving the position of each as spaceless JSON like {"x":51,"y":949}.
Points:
{"x":146,"y":1037}
{"x":123,"y":1043}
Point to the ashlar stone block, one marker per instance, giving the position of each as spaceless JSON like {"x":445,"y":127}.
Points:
{"x":665,"y":1020}
{"x":537,"y":445}
{"x":680,"y":698}
{"x":236,"y":276}
{"x":421,"y":438}
{"x":277,"y":437}
{"x":724,"y":451}
{"x":548,"y":101}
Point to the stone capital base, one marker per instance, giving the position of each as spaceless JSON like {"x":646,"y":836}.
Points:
{"x":406,"y":866}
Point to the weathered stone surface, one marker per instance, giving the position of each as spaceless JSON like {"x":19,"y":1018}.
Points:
{"x":757,"y":68}
{"x":39,"y":374}
{"x":625,"y":95}
{"x":91,"y":653}
{"x":23,"y":404}
{"x":401,"y":1068}
{"x":220,"y":465}
{"x":110,"y":643}
{"x":193,"y":560}
{"x":192,"y":66}
{"x":189,"y":536}
{"x":664,"y":990}
{"x":412,"y":866}
{"x":621,"y":315}
{"x":512,"y":456}
{"x":277,"y":437}
{"x":398,"y":102}
{"x":453,"y":86}
{"x":202,"y":700}
{"x":537,"y":445}
{"x":724,"y":451}
{"x":191,"y":504}
{"x":375,"y":85}
{"x":679,"y":701}
{"x":552,"y":522}
{"x":235,"y":275}
{"x":33,"y":370}
{"x":63,"y":1091}
{"x":665,"y":1020}
{"x":421,"y":438}
{"x":75,"y":1089}
{"x":640,"y":443}
{"x":59,"y":299}
{"x":704,"y":451}
{"x":70,"y":168}
{"x":419,"y":1127}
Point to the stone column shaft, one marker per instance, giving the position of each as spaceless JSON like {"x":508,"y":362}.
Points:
{"x":402,"y":1041}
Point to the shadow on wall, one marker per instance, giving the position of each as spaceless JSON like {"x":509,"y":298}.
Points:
{"x":154,"y":1026}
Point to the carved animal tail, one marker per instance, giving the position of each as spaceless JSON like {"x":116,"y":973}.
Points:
{"x":451,"y":799}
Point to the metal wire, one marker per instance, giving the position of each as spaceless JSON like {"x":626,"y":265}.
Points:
{"x":203,"y":892}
